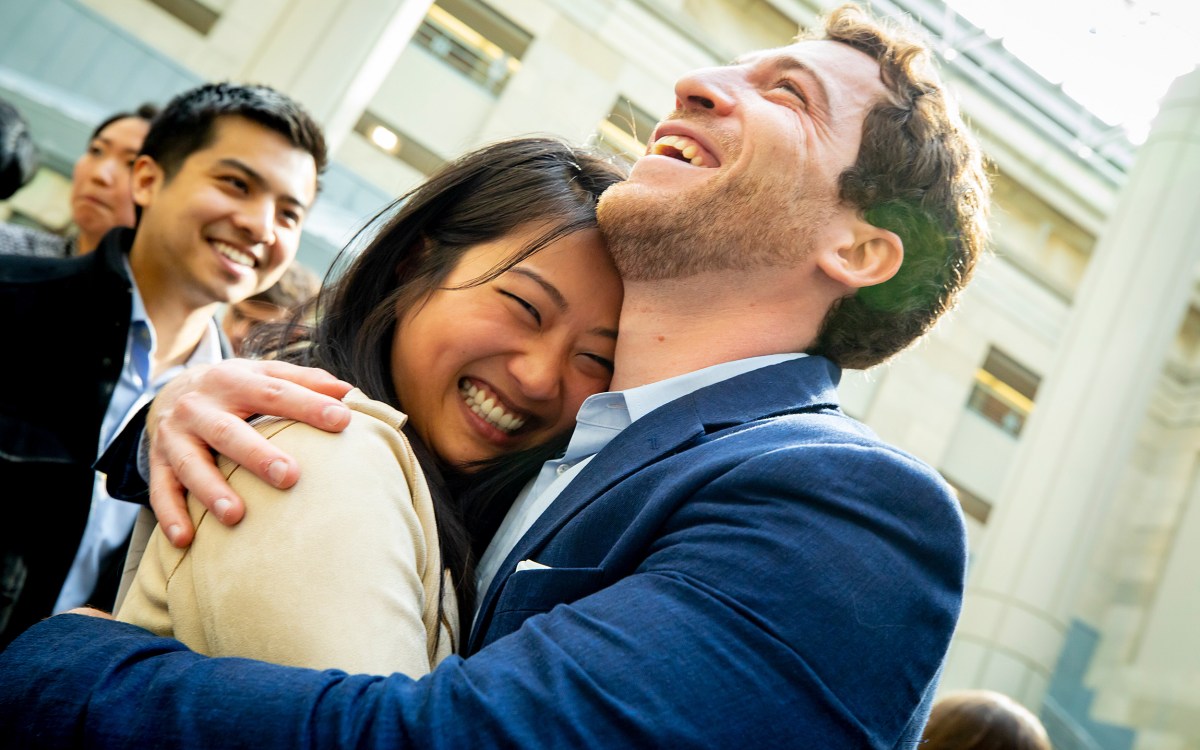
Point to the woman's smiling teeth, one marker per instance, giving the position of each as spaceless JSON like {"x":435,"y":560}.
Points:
{"x":241,"y":257}
{"x":488,"y":407}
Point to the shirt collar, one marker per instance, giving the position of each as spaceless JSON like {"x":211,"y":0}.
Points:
{"x":646,"y":398}
{"x":603,"y":415}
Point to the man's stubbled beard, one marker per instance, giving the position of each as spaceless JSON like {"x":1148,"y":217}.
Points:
{"x":727,"y":224}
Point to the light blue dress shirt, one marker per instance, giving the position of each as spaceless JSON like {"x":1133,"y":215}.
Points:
{"x":110,"y":521}
{"x":600,"y":418}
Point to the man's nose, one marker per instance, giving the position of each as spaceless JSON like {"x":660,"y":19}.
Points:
{"x":257,"y":220}
{"x":708,"y":89}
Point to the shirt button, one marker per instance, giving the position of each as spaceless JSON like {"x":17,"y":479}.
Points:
{"x":562,"y":469}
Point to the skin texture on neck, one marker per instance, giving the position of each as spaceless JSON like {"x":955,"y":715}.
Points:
{"x":669,"y":328}
{"x":179,"y":323}
{"x":86,"y":242}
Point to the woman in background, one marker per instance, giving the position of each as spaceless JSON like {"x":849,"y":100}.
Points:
{"x":100,"y":190}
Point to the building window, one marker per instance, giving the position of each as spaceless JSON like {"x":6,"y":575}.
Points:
{"x":474,"y":40}
{"x":193,"y":13}
{"x":626,"y":130}
{"x":391,"y":140}
{"x":1004,"y":392}
{"x":972,"y":505}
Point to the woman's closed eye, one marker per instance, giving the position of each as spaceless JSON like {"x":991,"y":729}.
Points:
{"x":533,"y":311}
{"x":604,"y":362}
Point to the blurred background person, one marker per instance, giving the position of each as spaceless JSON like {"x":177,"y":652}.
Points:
{"x":297,"y":286}
{"x":100,"y":190}
{"x":18,"y":156}
{"x":223,"y":184}
{"x":983,"y":720}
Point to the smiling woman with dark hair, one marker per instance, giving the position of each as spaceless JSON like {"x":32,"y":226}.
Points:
{"x":474,"y":323}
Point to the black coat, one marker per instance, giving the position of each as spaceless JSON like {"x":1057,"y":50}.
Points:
{"x":67,"y":323}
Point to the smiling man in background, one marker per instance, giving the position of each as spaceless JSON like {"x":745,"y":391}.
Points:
{"x":722,"y":558}
{"x":222,"y":184}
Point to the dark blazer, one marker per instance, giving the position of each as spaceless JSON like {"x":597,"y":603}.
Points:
{"x":66,"y":327}
{"x":743,"y":567}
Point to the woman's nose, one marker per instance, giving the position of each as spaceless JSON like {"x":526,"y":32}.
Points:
{"x":538,"y":372}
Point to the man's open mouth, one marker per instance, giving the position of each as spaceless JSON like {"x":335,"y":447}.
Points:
{"x":684,"y":149}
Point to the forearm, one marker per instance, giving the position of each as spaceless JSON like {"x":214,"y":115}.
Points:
{"x":579,"y":677}
{"x":121,"y":687}
{"x":755,"y":616}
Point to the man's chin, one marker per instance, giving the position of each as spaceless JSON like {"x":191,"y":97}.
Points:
{"x":633,"y":201}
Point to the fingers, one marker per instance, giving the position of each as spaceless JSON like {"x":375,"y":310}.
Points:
{"x":244,"y":387}
{"x":203,"y":410}
{"x":309,"y":377}
{"x":305,"y":394}
{"x":168,"y":502}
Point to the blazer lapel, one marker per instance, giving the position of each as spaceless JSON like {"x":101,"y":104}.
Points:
{"x":799,"y":385}
{"x":645,"y":441}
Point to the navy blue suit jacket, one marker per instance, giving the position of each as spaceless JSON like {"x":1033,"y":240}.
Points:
{"x":743,"y":567}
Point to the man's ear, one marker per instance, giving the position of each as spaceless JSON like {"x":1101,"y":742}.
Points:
{"x":147,"y":178}
{"x":870,"y":256}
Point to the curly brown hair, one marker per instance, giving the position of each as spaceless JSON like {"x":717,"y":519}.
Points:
{"x":920,"y":174}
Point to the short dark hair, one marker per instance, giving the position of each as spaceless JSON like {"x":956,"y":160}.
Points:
{"x":18,"y":155}
{"x":186,"y":124}
{"x":146,"y":111}
{"x":920,"y":174}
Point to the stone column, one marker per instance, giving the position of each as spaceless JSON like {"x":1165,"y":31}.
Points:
{"x":333,"y":57}
{"x":1022,"y":587}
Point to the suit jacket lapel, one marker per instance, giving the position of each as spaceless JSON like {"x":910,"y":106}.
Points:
{"x":642,"y":443}
{"x":799,"y":385}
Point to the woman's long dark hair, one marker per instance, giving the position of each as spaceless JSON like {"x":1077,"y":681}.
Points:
{"x":417,"y":241}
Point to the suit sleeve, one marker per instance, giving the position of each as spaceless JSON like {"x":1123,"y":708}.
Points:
{"x":761,"y":615}
{"x":120,"y":462}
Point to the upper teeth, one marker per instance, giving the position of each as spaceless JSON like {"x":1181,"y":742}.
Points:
{"x":678,"y":146}
{"x":488,"y":407}
{"x":241,"y":257}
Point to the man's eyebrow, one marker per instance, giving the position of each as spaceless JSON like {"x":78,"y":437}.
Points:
{"x":608,"y":333}
{"x":256,"y":177}
{"x":787,"y":63}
